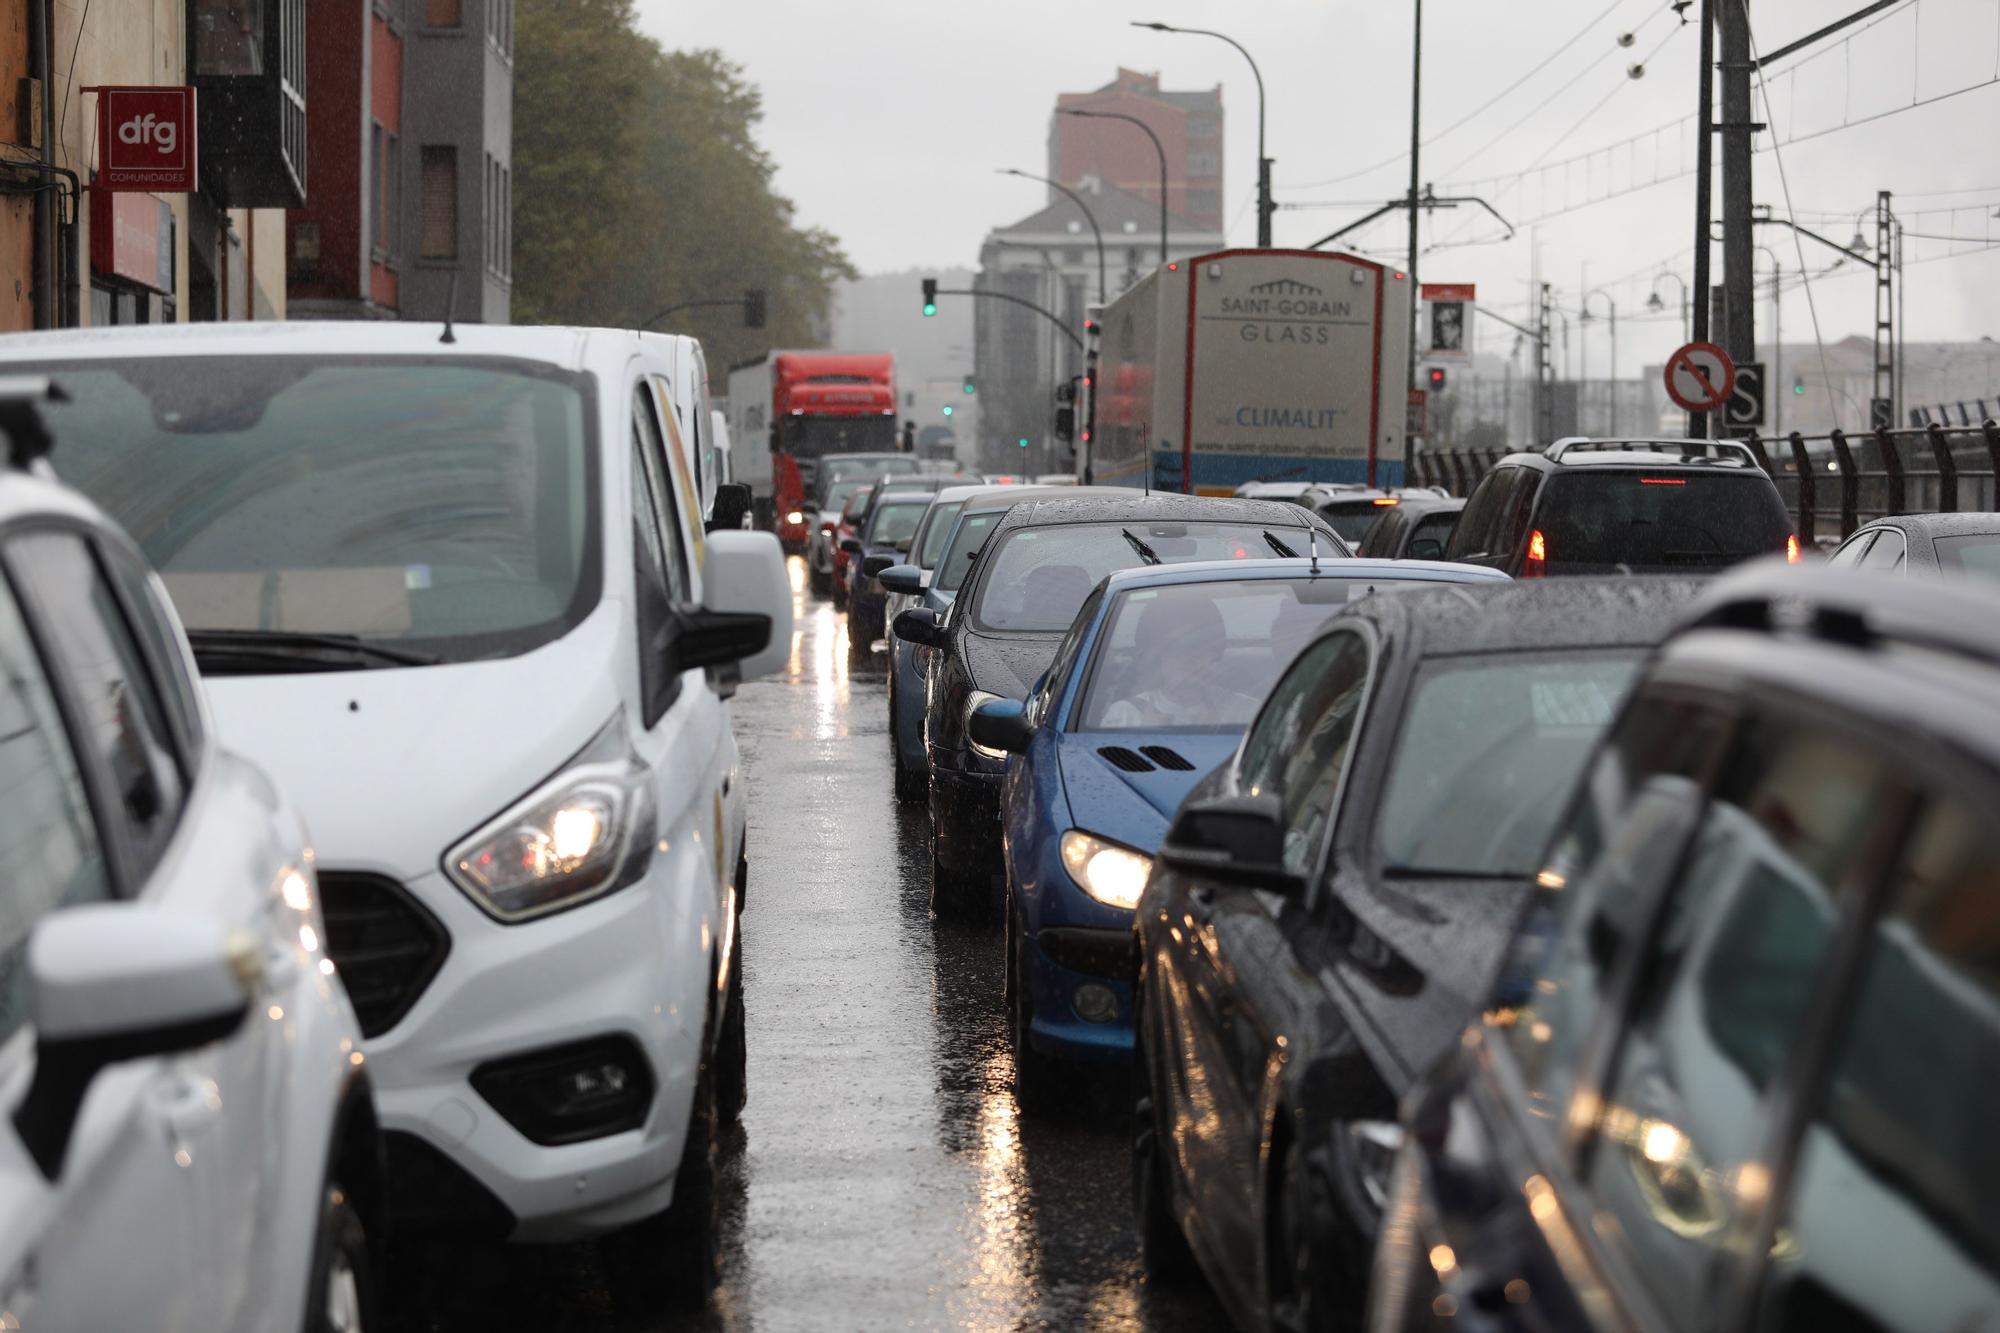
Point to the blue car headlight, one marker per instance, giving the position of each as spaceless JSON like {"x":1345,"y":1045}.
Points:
{"x":1113,"y":875}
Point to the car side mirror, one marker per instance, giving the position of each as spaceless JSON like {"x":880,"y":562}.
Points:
{"x":731,"y":510}
{"x":901,"y":578}
{"x":920,"y":625}
{"x":875,"y":564}
{"x":1238,"y":840}
{"x":1001,"y":724}
{"x":742,"y":575}
{"x":112,"y":982}
{"x":851,"y":545}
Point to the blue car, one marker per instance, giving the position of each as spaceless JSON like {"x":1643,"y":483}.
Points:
{"x":1152,"y":688}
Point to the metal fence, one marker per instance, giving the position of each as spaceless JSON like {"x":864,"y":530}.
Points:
{"x":1831,"y":483}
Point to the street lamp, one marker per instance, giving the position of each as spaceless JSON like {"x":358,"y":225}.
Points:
{"x":1265,"y":208}
{"x":1654,"y":303}
{"x":1158,"y":147}
{"x":1585,"y":319}
{"x":1088,"y":216}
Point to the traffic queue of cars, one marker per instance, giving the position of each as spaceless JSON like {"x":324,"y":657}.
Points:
{"x":1487,"y":947}
{"x":459,"y":611}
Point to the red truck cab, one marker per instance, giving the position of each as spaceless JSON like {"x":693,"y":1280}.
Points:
{"x":824,"y":403}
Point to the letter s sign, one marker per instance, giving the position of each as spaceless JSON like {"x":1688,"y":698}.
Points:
{"x":147,"y":140}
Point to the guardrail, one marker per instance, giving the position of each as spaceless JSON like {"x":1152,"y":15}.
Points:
{"x":1831,"y":483}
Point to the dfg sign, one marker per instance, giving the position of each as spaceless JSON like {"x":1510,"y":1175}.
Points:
{"x":146,"y":140}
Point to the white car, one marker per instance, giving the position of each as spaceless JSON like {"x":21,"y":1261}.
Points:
{"x":457,"y":598}
{"x":190,"y":1140}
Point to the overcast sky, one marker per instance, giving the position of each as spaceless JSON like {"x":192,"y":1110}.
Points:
{"x":888,"y":119}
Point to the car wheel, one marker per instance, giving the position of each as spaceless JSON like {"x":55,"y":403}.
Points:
{"x":342,"y":1296}
{"x":1035,"y":1075}
{"x":732,"y":1050}
{"x":1163,"y":1249}
{"x":668,"y":1262}
{"x":1302,"y":1298}
{"x":909,"y":783}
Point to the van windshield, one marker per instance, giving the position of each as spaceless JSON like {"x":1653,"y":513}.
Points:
{"x":445,"y":508}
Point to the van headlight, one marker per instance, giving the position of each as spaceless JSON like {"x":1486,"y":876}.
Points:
{"x":972,"y":702}
{"x":1111,"y":874}
{"x":583,"y":833}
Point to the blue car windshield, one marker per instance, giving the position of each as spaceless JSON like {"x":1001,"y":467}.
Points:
{"x":1202,"y":656}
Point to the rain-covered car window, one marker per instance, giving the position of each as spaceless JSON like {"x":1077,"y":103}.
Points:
{"x":839,"y":494}
{"x":1041,"y":575}
{"x":1201,"y":656}
{"x":1600,"y":522}
{"x":1489,"y":749}
{"x":896,"y":522}
{"x":448,"y":506}
{"x":1352,"y":518}
{"x":865,"y":470}
{"x":966,"y":540}
{"x":1971,"y":553}
{"x":942,"y":516}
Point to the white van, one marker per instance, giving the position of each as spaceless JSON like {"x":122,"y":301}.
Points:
{"x":686,"y":373}
{"x":455,"y":596}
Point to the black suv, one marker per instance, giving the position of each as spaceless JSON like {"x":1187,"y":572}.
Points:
{"x":1623,"y":507}
{"x":1738,"y":1070}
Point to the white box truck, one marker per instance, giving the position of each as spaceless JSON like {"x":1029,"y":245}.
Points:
{"x":1253,"y":365}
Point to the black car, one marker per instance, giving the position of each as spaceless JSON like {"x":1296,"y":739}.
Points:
{"x":1416,"y":527}
{"x":884,"y":541}
{"x":1738,"y":1070}
{"x":1926,"y":545}
{"x":1623,"y":507}
{"x":1027,"y":582}
{"x":1328,"y":908}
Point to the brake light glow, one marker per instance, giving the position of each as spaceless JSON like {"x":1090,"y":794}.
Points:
{"x":1536,"y":565}
{"x":1387,"y":500}
{"x":1242,"y":554}
{"x":1174,"y":267}
{"x":1662,"y":481}
{"x":1792,"y":548}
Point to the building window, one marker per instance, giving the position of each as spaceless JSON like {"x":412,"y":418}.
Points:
{"x":443,"y":14}
{"x":228,"y":38}
{"x":1203,"y":164}
{"x":440,"y":202}
{"x":1203,"y":127}
{"x":500,"y":25}
{"x":1203,"y":203}
{"x":506,"y":222}
{"x":388,"y":170}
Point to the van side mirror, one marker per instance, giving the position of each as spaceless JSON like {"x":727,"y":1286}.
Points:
{"x":743,"y":574}
{"x":112,"y":982}
{"x":901,"y":578}
{"x":731,"y":510}
{"x":1001,"y":724}
{"x":920,"y":625}
{"x":1236,"y":840}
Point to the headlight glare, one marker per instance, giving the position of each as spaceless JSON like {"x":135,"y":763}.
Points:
{"x":582,"y":834}
{"x":795,"y":518}
{"x":1113,"y":875}
{"x":972,"y":702}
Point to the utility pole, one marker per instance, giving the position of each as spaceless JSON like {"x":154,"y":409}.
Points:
{"x":1545,"y":374}
{"x":1416,"y":147}
{"x":1739,"y":254}
{"x":1703,"y":190}
{"x":1882,"y":409}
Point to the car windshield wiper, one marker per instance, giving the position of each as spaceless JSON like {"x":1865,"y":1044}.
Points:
{"x":1427,"y":872}
{"x":1146,"y":553}
{"x":1278,"y":546}
{"x":301,"y":648}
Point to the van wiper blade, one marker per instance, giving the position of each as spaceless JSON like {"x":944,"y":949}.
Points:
{"x":297,"y":646}
{"x":1278,"y":546}
{"x":1146,"y":553}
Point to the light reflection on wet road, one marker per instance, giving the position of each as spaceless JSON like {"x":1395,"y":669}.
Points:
{"x":881,"y":1177}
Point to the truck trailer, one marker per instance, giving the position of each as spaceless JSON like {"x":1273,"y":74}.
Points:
{"x":1252,"y":365}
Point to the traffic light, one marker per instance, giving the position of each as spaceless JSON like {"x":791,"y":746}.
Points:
{"x":970,"y":387}
{"x":1437,"y":377}
{"x":947,"y":409}
{"x":1798,"y":385}
{"x":930,"y":297}
{"x":1023,"y":441}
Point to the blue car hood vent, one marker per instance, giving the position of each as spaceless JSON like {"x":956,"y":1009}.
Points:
{"x":1168,"y":759}
{"x":1129,"y":761}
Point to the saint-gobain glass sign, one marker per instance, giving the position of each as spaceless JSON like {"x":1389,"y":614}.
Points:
{"x":146,"y":140}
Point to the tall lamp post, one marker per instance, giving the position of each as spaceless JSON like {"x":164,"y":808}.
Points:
{"x":1654,"y":303}
{"x":1158,"y":147}
{"x":1088,"y":216}
{"x":1585,"y":319}
{"x":1265,"y":208}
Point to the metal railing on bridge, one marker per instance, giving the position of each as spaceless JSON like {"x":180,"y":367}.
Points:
{"x":1831,"y":483}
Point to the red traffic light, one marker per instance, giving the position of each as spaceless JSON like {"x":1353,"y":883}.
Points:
{"x":1437,"y":377}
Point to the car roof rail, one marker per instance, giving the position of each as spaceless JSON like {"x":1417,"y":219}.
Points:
{"x":21,"y":399}
{"x":1718,"y":450}
{"x":1841,"y":606}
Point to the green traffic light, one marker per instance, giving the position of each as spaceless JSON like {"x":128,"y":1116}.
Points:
{"x":947,"y":409}
{"x":968,"y":386}
{"x":930,"y":308}
{"x":1798,"y":387}
{"x":1023,"y":442}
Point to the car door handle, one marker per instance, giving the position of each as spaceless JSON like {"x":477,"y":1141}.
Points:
{"x":188,"y":1102}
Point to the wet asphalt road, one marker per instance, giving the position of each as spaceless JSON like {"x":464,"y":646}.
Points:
{"x":881,"y":1177}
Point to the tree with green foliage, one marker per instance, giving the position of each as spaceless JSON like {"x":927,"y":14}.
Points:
{"x":639,"y":184}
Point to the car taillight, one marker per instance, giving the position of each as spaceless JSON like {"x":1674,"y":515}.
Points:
{"x":1792,"y":548}
{"x":1386,"y":500}
{"x":1537,"y":562}
{"x":826,"y":525}
{"x":1662,"y":481}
